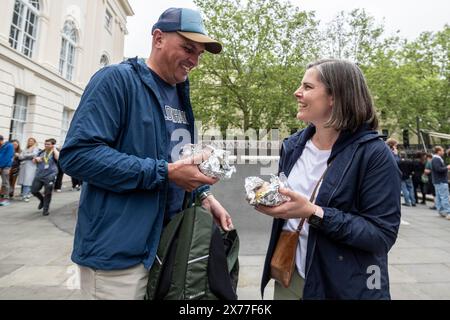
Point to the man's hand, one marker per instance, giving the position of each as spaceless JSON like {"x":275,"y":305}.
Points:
{"x":37,"y":159}
{"x":221,"y":216}
{"x":186,"y":174}
{"x":297,"y":207}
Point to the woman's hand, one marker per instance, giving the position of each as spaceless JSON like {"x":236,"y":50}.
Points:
{"x":297,"y":207}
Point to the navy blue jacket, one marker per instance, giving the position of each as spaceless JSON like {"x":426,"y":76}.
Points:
{"x":439,"y":170}
{"x":406,"y":167}
{"x":6,"y":155}
{"x":360,"y":196}
{"x":117,"y":144}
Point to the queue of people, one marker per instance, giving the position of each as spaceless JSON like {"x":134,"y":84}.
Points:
{"x":32,"y":169}
{"x":427,"y":173}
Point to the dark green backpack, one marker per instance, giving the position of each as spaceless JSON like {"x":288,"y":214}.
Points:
{"x":196,"y":260}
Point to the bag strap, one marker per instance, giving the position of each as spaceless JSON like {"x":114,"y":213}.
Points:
{"x":187,"y":200}
{"x":313,"y":197}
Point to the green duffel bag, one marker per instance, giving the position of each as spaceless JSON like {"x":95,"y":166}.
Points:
{"x":196,"y":260}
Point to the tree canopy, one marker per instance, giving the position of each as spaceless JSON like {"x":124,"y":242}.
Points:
{"x":268,"y":43}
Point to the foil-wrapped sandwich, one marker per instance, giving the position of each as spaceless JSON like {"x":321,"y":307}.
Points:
{"x":216,"y":163}
{"x":260,"y":192}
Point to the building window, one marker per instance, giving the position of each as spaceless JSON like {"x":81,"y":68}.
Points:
{"x":19,"y":117}
{"x":23,"y":31}
{"x":66,"y":118}
{"x":104,"y":61}
{"x":67,"y":53}
{"x":108,"y":20}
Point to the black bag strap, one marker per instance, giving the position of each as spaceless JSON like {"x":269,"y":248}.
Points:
{"x":219,"y":279}
{"x":187,"y":200}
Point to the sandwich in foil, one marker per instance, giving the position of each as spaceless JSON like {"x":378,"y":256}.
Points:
{"x":215,"y":164}
{"x":260,"y":192}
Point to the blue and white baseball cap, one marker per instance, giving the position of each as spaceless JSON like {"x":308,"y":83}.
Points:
{"x":189,"y":24}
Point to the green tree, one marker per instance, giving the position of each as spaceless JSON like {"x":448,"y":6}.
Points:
{"x":354,"y":36}
{"x":428,"y":60}
{"x":268,"y":43}
{"x":407,"y":78}
{"x":411,"y":80}
{"x":250,"y":84}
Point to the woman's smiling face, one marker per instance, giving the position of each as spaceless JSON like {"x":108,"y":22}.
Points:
{"x":314,"y":103}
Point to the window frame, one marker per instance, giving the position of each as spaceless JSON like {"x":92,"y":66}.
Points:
{"x":68,"y":50}
{"x":65,"y":123}
{"x":20,"y":38}
{"x":19,"y":117}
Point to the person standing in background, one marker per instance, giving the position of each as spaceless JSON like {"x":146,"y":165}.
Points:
{"x":6,"y":158}
{"x":429,"y":179}
{"x":418,"y":183}
{"x":15,"y":168}
{"x":27,"y":168}
{"x":439,"y":173}
{"x":407,"y":168}
{"x":45,"y":175}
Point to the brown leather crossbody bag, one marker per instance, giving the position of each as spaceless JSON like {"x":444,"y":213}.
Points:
{"x":282,"y":264}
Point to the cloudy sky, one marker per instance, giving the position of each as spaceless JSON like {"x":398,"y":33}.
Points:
{"x":409,"y":16}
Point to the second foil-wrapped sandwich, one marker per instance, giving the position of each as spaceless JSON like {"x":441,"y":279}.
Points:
{"x":260,"y":192}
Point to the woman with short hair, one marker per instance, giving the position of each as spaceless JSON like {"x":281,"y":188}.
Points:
{"x":353,"y":222}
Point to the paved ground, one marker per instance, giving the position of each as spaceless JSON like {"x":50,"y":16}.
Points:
{"x":35,"y":252}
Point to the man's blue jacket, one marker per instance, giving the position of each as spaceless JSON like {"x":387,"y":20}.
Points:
{"x":6,"y":155}
{"x":347,"y":257}
{"x":117,"y":144}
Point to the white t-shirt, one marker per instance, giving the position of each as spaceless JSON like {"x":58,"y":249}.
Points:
{"x":303,"y":179}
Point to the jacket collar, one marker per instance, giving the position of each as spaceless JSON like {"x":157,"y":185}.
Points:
{"x":345,"y":138}
{"x":295,"y":144}
{"x":439,"y":157}
{"x":147,"y":78}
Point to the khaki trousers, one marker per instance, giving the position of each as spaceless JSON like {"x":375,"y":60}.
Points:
{"x":125,"y":284}
{"x":293,"y":292}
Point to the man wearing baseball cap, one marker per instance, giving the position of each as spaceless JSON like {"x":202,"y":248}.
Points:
{"x":123,"y":143}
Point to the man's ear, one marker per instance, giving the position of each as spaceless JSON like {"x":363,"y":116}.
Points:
{"x":158,"y":37}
